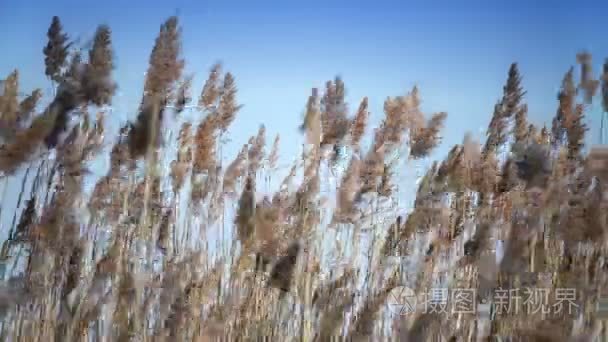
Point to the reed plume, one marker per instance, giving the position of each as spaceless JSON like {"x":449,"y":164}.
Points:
{"x":359,"y":123}
{"x":181,"y":166}
{"x":56,"y":50}
{"x":211,"y":89}
{"x":246,"y":211}
{"x":227,"y":107}
{"x":235,"y":170}
{"x":97,"y":84}
{"x":273,"y":156}
{"x":256,"y":150}
{"x":164,"y":69}
{"x":204,"y":140}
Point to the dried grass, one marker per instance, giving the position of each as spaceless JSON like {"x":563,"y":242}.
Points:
{"x":128,"y":262}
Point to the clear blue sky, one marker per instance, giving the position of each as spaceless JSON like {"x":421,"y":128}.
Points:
{"x":458,"y":52}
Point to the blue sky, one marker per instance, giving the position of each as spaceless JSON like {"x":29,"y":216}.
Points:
{"x":458,"y":54}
